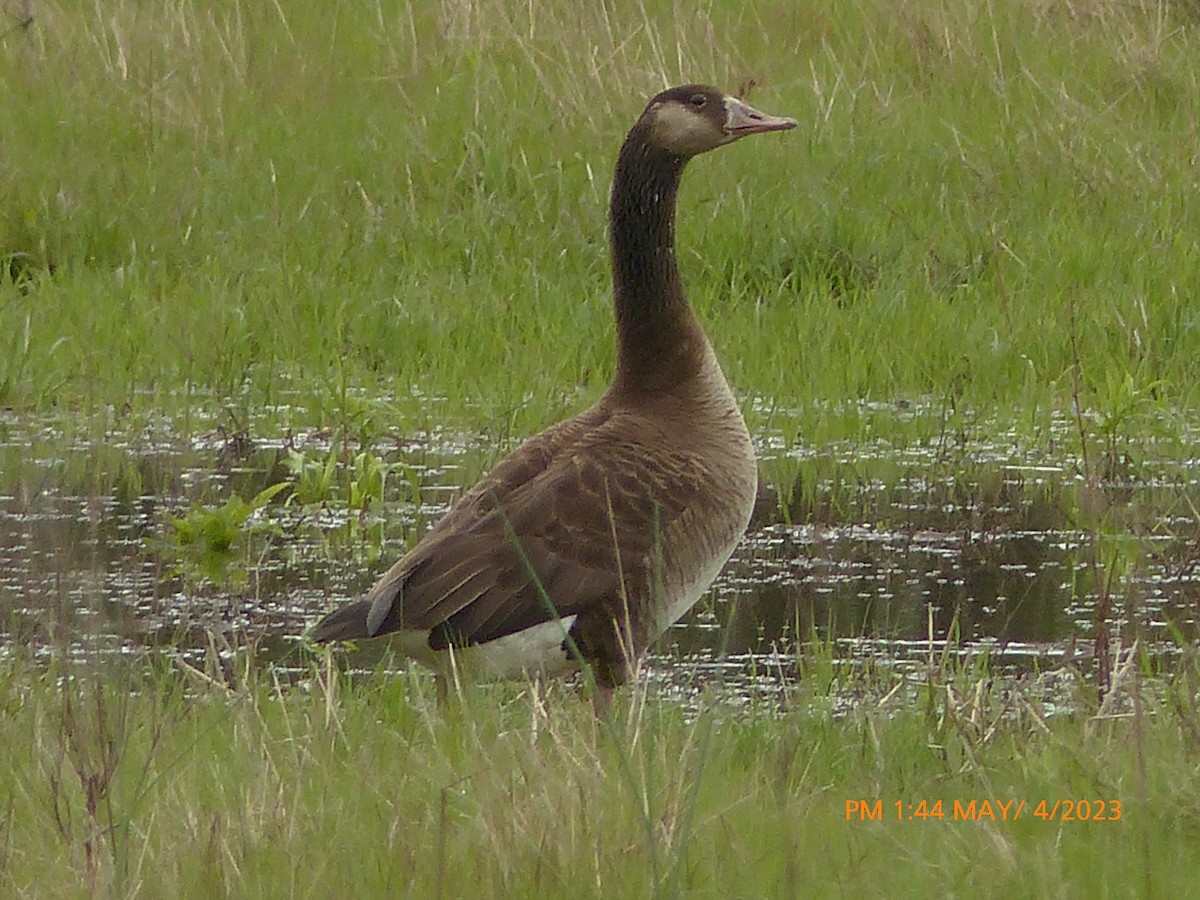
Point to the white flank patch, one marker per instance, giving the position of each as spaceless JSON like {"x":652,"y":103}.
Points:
{"x":534,"y":651}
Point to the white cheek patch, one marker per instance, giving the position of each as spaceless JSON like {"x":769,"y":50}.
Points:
{"x":677,"y":128}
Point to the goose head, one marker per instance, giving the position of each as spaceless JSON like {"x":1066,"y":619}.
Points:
{"x":695,"y":118}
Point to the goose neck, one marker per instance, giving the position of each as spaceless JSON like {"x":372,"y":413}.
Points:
{"x":659,"y":341}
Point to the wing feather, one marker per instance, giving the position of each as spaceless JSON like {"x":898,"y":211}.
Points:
{"x":570,"y":520}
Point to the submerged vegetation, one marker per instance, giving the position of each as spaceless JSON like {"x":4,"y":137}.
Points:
{"x":347,"y":230}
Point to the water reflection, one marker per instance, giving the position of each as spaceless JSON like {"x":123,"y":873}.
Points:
{"x":999,"y":558}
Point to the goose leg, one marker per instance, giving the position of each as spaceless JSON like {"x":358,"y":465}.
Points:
{"x":602,"y":698}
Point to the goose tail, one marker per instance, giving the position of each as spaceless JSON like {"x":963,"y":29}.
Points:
{"x":349,"y":623}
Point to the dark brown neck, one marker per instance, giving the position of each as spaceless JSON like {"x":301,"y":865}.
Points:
{"x":659,"y":342}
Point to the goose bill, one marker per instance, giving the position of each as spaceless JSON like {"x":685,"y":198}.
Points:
{"x":742,"y":119}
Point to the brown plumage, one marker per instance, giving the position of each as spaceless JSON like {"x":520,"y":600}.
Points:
{"x":594,"y":536}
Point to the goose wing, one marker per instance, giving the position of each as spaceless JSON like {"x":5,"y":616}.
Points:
{"x":544,"y":536}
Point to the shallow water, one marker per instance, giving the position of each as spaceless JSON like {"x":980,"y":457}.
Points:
{"x":992,"y":551}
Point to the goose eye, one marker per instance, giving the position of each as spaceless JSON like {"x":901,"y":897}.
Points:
{"x":698,"y":101}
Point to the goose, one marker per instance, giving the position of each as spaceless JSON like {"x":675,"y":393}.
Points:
{"x":589,"y":540}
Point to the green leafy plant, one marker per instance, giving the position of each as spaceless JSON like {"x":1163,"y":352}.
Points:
{"x":368,"y":481}
{"x":205,"y":536}
{"x":317,"y":480}
{"x":214,"y":529}
{"x":314,"y":478}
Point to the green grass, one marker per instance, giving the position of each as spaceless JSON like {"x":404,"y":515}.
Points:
{"x":286,"y":204}
{"x":126,"y":784}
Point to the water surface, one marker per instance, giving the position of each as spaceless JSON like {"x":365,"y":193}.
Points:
{"x":989,"y":551}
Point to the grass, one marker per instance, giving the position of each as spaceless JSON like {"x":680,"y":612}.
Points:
{"x":297,"y":217}
{"x":280,"y":204}
{"x":123,"y":782}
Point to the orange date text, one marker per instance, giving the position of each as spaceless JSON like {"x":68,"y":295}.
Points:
{"x":985,"y":809}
